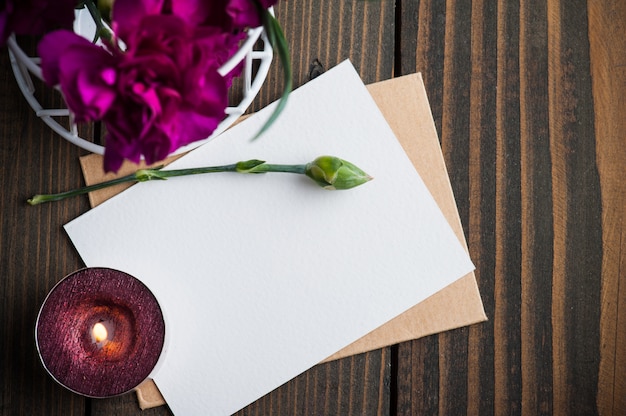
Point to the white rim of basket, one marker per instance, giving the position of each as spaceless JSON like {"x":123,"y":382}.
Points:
{"x":23,"y":66}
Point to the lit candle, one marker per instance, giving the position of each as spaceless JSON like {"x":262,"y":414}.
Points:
{"x":100,"y":332}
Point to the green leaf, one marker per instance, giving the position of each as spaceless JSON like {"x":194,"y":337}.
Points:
{"x":277,"y":39}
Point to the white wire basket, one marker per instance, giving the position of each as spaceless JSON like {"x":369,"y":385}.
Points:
{"x":256,"y":58}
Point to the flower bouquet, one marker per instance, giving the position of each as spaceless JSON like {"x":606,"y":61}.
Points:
{"x":157,"y":73}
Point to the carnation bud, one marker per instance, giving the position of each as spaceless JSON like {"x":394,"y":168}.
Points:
{"x":332,"y":172}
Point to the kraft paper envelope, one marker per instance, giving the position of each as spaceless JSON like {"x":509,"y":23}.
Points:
{"x":404,"y":104}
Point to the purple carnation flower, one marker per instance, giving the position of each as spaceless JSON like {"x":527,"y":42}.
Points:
{"x":164,"y":90}
{"x":169,"y":91}
{"x":162,"y":93}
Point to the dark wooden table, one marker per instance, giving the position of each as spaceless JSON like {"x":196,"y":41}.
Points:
{"x":529,"y":99}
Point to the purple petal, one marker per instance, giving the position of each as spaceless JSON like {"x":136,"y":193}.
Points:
{"x":156,"y":145}
{"x":112,"y":159}
{"x":192,"y":126}
{"x":51,"y":48}
{"x":127,"y":15}
{"x":194,"y":12}
{"x":95,"y":99}
{"x":86,"y":92}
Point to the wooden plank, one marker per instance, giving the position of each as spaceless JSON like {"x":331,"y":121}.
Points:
{"x":34,"y":251}
{"x":482,"y":210}
{"x":607,"y":26}
{"x":506,"y":341}
{"x":576,"y":269}
{"x":537,"y":227}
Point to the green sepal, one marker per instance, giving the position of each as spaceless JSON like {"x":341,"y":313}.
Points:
{"x":144,"y":175}
{"x":248,"y":166}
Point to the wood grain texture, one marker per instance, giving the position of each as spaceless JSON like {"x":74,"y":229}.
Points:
{"x":576,"y":211}
{"x":507,"y":394}
{"x":482,"y":179}
{"x":420,"y":48}
{"x":536,"y":196}
{"x":323,"y":33}
{"x":528,"y":189}
{"x":34,"y":253}
{"x":607,"y":26}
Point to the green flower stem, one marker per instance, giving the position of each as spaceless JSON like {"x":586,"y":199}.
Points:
{"x":248,"y":166}
{"x":267,"y":167}
{"x":329,"y":172}
{"x":40,"y":199}
{"x":143,"y":175}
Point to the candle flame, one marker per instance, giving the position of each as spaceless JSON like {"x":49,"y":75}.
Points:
{"x":100,"y":332}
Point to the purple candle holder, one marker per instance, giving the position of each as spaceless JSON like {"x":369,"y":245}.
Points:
{"x":100,"y":332}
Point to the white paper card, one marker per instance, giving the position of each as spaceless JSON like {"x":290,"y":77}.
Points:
{"x":263,"y":276}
